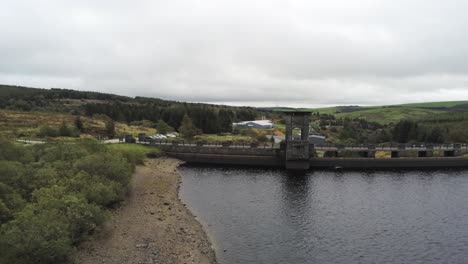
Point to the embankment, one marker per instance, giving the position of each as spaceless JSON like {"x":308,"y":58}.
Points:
{"x":152,"y":226}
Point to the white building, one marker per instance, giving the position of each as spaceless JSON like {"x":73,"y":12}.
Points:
{"x":259,"y":124}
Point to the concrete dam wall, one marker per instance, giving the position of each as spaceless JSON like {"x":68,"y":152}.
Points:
{"x":269,"y":157}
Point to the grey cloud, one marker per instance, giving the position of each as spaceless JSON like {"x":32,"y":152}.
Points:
{"x":299,"y":53}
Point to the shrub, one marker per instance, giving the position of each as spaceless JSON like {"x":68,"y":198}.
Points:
{"x":56,"y":198}
{"x":47,"y":131}
{"x":10,"y":202}
{"x":109,"y":165}
{"x":36,"y":236}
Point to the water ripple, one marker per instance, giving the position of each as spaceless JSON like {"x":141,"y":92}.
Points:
{"x":270,"y":216}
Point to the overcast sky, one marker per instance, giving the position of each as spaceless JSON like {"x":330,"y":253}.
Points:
{"x":260,"y":53}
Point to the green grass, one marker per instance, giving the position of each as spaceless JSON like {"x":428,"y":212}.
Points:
{"x":390,"y":114}
{"x":136,"y":148}
{"x":218,"y":138}
{"x":134,"y":152}
{"x":437,"y":104}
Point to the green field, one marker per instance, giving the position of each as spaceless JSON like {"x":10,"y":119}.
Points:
{"x":393,"y":113}
{"x":219,"y":138}
{"x":389,"y":115}
{"x":135,"y":148}
{"x":437,"y":104}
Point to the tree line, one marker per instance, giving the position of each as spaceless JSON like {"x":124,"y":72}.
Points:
{"x":210,"y":119}
{"x":437,"y":128}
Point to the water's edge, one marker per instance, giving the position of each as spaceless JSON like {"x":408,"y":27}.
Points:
{"x":195,"y":216}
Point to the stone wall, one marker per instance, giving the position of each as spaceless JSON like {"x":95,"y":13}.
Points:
{"x":276,"y":158}
{"x":396,"y":163}
{"x":222,"y":150}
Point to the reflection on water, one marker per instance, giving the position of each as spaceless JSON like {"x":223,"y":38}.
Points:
{"x":271,"y":216}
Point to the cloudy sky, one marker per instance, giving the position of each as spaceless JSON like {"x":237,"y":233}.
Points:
{"x":260,"y":53}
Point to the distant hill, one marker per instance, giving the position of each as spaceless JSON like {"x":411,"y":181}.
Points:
{"x":394,"y":113}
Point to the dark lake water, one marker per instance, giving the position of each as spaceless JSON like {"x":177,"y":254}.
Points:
{"x":270,"y":216}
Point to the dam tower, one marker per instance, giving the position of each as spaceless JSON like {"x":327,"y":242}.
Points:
{"x":297,"y":140}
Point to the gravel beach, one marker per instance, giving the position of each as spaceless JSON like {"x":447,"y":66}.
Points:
{"x":152,"y":225}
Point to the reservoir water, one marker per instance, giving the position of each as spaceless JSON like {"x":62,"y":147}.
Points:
{"x":271,"y":216}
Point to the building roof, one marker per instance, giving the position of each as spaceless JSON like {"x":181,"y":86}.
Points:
{"x":258,"y":122}
{"x":317,"y":136}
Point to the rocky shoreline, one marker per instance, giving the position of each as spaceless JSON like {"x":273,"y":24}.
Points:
{"x":152,"y":226}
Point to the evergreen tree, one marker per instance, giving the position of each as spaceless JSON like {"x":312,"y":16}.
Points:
{"x":163,"y":127}
{"x":225,"y":118}
{"x":110,"y":128}
{"x":79,"y":124}
{"x":187,"y":129}
{"x":435,"y":136}
{"x":64,"y":130}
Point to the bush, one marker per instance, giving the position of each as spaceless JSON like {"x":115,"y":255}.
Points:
{"x":261,"y":138}
{"x":36,"y":236}
{"x":135,"y":157}
{"x":96,"y":189}
{"x":9,"y":151}
{"x":63,"y":131}
{"x":109,"y":165}
{"x":55,"y":198}
{"x":10,"y":203}
{"x":81,"y":216}
{"x":47,"y":131}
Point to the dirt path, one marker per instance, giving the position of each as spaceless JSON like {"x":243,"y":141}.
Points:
{"x":153,"y":226}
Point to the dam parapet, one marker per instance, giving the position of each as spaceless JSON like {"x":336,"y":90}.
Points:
{"x":332,"y":156}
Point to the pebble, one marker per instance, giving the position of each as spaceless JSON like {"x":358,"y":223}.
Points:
{"x":141,"y":245}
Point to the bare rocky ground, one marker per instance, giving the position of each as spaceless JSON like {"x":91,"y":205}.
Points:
{"x":152,"y":226}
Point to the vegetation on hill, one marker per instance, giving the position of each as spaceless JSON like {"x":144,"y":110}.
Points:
{"x":59,"y":114}
{"x":208,"y":118}
{"x":46,"y":125}
{"x":394,"y":113}
{"x":446,"y":127}
{"x":53,"y":196}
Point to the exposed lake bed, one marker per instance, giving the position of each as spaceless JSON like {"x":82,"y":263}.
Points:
{"x":271,"y":216}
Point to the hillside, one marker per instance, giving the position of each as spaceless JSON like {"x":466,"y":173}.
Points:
{"x":207,"y":117}
{"x":394,"y":113}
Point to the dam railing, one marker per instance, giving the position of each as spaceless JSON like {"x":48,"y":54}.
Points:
{"x":322,"y":147}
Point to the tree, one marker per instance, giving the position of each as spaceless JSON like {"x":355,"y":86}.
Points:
{"x":10,"y":202}
{"x":36,"y":236}
{"x":109,"y":165}
{"x":47,"y":131}
{"x":163,"y":127}
{"x":64,"y":130}
{"x":225,"y":118}
{"x":187,"y":129}
{"x":110,"y":128}
{"x":405,"y":131}
{"x":79,"y":124}
{"x":435,"y":135}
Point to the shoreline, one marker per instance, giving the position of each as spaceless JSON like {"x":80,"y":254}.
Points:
{"x":191,"y":212}
{"x":211,"y":238}
{"x":152,"y":225}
